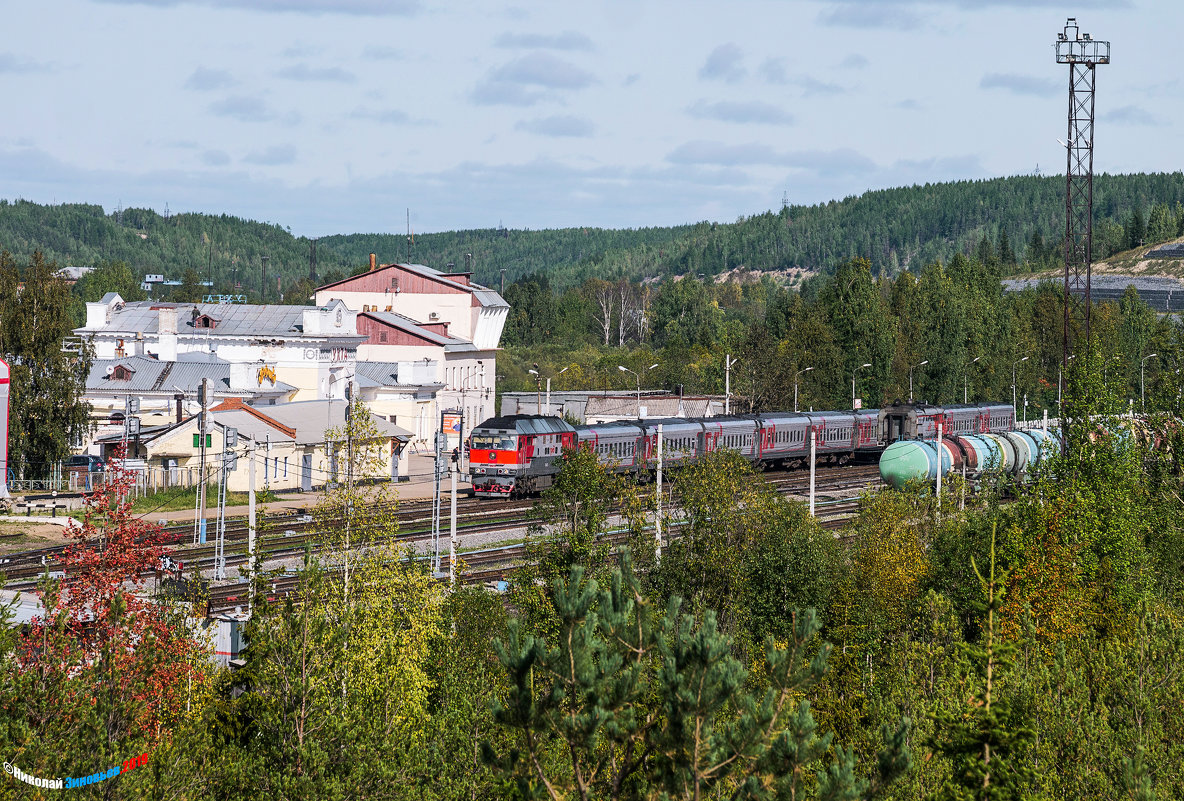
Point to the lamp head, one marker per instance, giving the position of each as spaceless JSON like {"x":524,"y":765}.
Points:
{"x":655,"y":364}
{"x":806,"y":370}
{"x":867,"y":364}
{"x":622,"y":368}
{"x":533,"y":372}
{"x":922,"y":364}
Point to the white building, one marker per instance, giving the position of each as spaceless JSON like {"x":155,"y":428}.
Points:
{"x":414,"y":315}
{"x":312,"y":350}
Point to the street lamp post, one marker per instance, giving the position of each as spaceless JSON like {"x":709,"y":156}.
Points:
{"x":729,"y":363}
{"x":1013,"y":404}
{"x":538,"y":390}
{"x":922,"y":364}
{"x":966,"y":379}
{"x":1142,"y":390}
{"x":625,"y":369}
{"x":853,"y":372}
{"x":795,"y":386}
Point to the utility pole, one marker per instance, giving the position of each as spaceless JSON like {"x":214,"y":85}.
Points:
{"x":204,"y":397}
{"x":251,"y":564}
{"x":658,"y":517}
{"x":813,"y":459}
{"x":452,"y":470}
{"x":349,"y":479}
{"x":436,"y":502}
{"x":263,"y":280}
{"x":229,"y":460}
{"x":940,"y":470}
{"x":729,"y":363}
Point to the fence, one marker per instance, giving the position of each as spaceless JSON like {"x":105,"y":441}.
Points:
{"x":146,"y":480}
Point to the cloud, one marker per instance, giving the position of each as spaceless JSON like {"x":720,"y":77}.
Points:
{"x":908,"y":104}
{"x":382,"y":53}
{"x":545,"y":70}
{"x":867,"y":16}
{"x":272,"y":156}
{"x":204,"y":79}
{"x":214,"y":158}
{"x":824,"y":163}
{"x":367,"y":8}
{"x":773,"y":71}
{"x":719,"y":153}
{"x":497,"y":93}
{"x":558,"y":125}
{"x":1020,"y":84}
{"x":740,"y":111}
{"x":1131,"y":115}
{"x":568,"y":40}
{"x":631,"y":79}
{"x":243,"y":108}
{"x":811,"y":86}
{"x":854,"y":62}
{"x":17,"y":65}
{"x":530,"y":79}
{"x":389,"y":116}
{"x":724,"y":64}
{"x":304,"y":73}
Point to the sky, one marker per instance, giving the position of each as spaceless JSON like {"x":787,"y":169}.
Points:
{"x":339,"y":116}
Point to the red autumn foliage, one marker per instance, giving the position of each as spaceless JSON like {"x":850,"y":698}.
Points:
{"x":102,"y":636}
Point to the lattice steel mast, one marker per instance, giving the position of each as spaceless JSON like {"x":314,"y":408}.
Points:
{"x":1082,"y":53}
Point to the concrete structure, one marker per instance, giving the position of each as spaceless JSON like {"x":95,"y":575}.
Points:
{"x":609,"y":407}
{"x":412,"y":314}
{"x":168,"y":391}
{"x":310,"y":349}
{"x":293,"y":447}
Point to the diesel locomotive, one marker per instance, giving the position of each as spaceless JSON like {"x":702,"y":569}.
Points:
{"x":516,"y":455}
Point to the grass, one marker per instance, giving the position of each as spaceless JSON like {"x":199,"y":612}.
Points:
{"x":178,"y":499}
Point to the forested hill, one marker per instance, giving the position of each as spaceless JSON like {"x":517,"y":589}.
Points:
{"x":894,"y":228}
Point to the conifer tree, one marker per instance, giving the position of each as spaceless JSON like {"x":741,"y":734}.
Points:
{"x":628,"y":703}
{"x":981,"y":737}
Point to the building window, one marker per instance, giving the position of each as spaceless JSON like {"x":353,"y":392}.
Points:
{"x":382,"y":336}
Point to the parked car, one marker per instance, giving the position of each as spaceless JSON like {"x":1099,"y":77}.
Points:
{"x":83,"y":463}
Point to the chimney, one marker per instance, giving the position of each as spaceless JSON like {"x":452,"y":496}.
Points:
{"x":179,"y":397}
{"x":373,"y":262}
{"x":166,"y":334}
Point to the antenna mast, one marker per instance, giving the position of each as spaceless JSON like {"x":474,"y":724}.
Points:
{"x":1082,"y":53}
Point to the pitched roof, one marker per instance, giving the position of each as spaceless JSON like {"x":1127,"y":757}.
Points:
{"x":484,"y":295}
{"x":404,"y":323}
{"x":232,"y":319}
{"x":311,"y":419}
{"x":153,"y":375}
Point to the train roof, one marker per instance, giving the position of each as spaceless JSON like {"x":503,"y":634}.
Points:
{"x":528,"y":424}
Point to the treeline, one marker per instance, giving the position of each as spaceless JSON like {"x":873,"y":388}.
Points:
{"x":948,"y":332}
{"x":1014,"y":642}
{"x":894,"y":229}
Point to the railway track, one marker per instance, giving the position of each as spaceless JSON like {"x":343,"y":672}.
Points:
{"x":287,"y":535}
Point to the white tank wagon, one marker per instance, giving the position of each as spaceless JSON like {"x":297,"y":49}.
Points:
{"x":1011,"y":453}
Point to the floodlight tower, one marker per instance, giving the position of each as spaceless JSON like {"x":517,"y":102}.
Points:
{"x":1082,"y":53}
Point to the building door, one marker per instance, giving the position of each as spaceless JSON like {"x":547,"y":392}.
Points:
{"x":306,"y":472}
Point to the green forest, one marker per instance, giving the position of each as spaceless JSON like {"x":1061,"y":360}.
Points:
{"x":894,"y":229}
{"x":947,"y":331}
{"x":996,"y":642}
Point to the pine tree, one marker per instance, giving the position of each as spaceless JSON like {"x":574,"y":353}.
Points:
{"x":627,"y":703}
{"x":982,"y":739}
{"x":1005,"y":251}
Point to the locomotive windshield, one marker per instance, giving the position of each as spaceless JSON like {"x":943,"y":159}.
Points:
{"x":493,"y":442}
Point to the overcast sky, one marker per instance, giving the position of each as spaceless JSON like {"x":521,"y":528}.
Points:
{"x":335,"y":116}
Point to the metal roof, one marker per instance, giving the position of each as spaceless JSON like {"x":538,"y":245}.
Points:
{"x":151,"y":375}
{"x":232,"y":319}
{"x":313,"y":418}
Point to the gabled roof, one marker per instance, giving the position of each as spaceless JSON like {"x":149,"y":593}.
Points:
{"x":234,"y":404}
{"x":152,"y":375}
{"x":483,"y":295}
{"x":403,"y":323}
{"x":384,"y":374}
{"x":311,"y":419}
{"x":233,"y":319}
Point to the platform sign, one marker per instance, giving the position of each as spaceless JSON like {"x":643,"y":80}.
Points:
{"x":858,"y":404}
{"x":451,"y":423}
